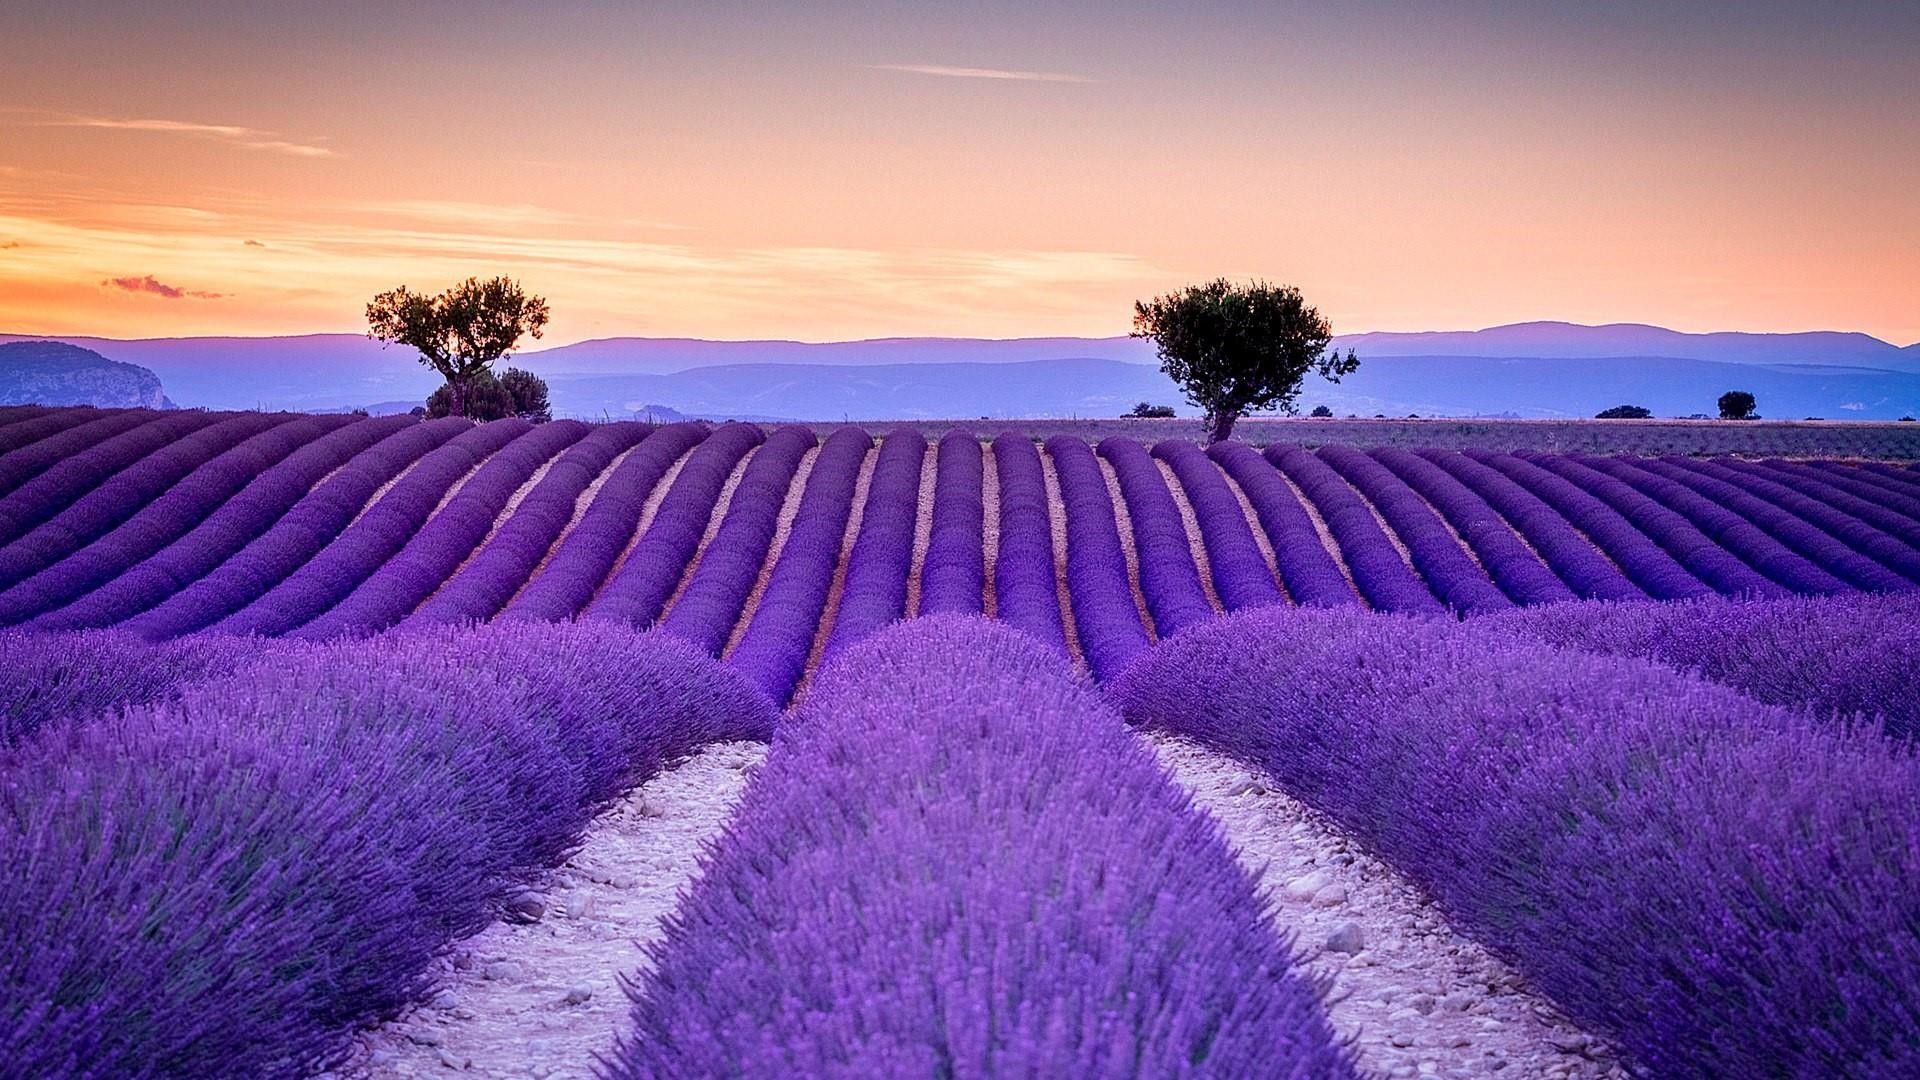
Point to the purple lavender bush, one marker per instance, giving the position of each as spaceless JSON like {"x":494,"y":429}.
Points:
{"x":1105,"y":617}
{"x":1169,"y":580}
{"x":1026,"y":584}
{"x":953,"y":578}
{"x":717,"y":590}
{"x":874,"y":587}
{"x":132,"y":489}
{"x":1842,"y":545}
{"x":431,"y":555}
{"x":1719,"y":886}
{"x":263,"y":559}
{"x":1724,"y":525}
{"x":588,"y":551}
{"x":1312,"y":578}
{"x":773,"y":650}
{"x":48,"y":678}
{"x":1452,"y":576}
{"x":1241,"y":576}
{"x":23,"y":464}
{"x":74,"y":478}
{"x":1585,"y":561}
{"x":193,"y":528}
{"x":371,"y":538}
{"x":1785,"y":481}
{"x":1657,"y":573}
{"x":1698,"y":552}
{"x":1379,"y":571}
{"x":1841,"y":656}
{"x":652,"y":571}
{"x":490,"y":578}
{"x":223,"y":885}
{"x":1518,"y":571}
{"x":956,"y":861}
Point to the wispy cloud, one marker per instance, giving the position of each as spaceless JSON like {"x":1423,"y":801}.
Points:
{"x":253,"y":243}
{"x":148,"y":284}
{"x":245,"y":137}
{"x":944,"y":71}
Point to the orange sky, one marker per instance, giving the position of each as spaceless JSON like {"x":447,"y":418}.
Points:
{"x":978,"y":169}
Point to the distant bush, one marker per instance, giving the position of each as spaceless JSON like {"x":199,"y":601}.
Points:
{"x":1625,"y":412}
{"x":1149,"y":410}
{"x":1321,"y":412}
{"x":1738,"y":405}
{"x":517,"y":393}
{"x":1906,"y":419}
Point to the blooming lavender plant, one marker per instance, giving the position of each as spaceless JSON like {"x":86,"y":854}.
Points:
{"x":587,"y":553}
{"x":1722,"y":887}
{"x":953,"y":578}
{"x":716,"y":592}
{"x":1378,"y":569}
{"x":1519,"y":572}
{"x":956,"y":861}
{"x":1450,"y":574}
{"x":1026,"y":583}
{"x":1105,"y":617}
{"x":193,"y":528}
{"x":639,"y":589}
{"x":1169,"y":580}
{"x":371,"y":538}
{"x":223,"y":885}
{"x":437,"y":549}
{"x":1241,"y":576}
{"x":773,"y":650}
{"x":874,"y":590}
{"x":489,"y":579}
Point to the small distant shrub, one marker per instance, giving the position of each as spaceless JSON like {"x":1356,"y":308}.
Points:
{"x":1738,"y":405}
{"x":1149,"y":410}
{"x":1625,"y":412}
{"x":1906,"y":419}
{"x":1321,"y":412}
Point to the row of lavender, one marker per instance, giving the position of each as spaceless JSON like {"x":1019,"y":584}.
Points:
{"x":1716,"y":884}
{"x":321,"y":527}
{"x":232,"y":852}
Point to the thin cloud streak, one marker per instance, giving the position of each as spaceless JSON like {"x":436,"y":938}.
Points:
{"x":245,"y":137}
{"x":946,"y":72}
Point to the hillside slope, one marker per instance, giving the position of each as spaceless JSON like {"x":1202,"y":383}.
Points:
{"x":55,"y":373}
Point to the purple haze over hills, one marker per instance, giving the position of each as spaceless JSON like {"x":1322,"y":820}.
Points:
{"x":1528,"y":369}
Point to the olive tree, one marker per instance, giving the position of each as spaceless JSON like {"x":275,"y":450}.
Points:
{"x":1238,"y":348}
{"x":460,"y":332}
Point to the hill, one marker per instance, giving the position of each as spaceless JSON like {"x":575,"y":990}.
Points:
{"x":1541,"y":369}
{"x":56,"y":373}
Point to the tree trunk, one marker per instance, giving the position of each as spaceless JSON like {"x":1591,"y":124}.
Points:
{"x":456,"y":396}
{"x":1220,"y":425}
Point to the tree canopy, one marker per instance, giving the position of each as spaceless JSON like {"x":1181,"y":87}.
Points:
{"x":1625,"y":412}
{"x":460,"y":332}
{"x":1239,"y":348}
{"x":1737,"y":405}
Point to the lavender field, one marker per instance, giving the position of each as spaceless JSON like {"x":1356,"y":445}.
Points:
{"x":368,"y":747}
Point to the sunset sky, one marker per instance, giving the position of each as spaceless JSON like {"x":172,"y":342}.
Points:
{"x":827,"y":171}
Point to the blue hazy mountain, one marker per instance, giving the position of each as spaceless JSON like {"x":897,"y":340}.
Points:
{"x":1526,"y":369}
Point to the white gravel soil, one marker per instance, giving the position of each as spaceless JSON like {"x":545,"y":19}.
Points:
{"x":1415,"y":998}
{"x":540,"y":999}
